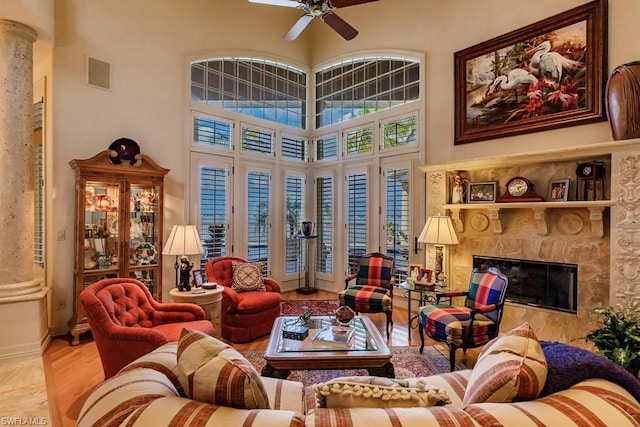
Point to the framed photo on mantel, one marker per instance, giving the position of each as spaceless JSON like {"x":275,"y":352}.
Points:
{"x":547,"y":75}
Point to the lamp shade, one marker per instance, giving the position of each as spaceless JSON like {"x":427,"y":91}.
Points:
{"x":183,"y":240}
{"x":439,"y":231}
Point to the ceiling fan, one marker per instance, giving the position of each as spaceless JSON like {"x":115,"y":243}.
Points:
{"x":322,"y":8}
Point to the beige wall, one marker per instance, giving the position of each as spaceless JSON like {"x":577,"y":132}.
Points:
{"x":148,"y":44}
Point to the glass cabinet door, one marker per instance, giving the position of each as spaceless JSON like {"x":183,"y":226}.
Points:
{"x":101,"y":227}
{"x":144,"y":235}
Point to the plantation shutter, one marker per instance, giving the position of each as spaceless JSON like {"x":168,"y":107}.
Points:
{"x":213,"y":211}
{"x":324,"y":224}
{"x":38,"y":166}
{"x":258,"y":222}
{"x":294,"y":211}
{"x":256,"y":140}
{"x":356,"y":218}
{"x":397,"y":224}
{"x":294,"y":148}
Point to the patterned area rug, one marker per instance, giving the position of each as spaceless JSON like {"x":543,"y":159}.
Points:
{"x":407,"y":362}
{"x":319,"y":306}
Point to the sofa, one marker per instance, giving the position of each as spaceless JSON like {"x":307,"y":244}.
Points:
{"x":572,"y":386}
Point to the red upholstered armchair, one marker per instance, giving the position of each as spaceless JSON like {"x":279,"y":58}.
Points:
{"x":245,"y":315}
{"x":127,"y":322}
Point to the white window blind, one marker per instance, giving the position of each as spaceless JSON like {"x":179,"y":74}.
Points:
{"x":213,"y":211}
{"x":211,"y":132}
{"x":324,"y":224}
{"x":295,"y":215}
{"x":400,"y":132}
{"x":258,"y":221}
{"x":293,"y":148}
{"x":327,"y":148}
{"x":38,"y":166}
{"x":357,"y":221}
{"x":359,"y":141}
{"x":255,"y":140}
{"x":398,"y":212}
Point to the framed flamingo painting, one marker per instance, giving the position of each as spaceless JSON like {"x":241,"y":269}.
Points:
{"x":547,"y":75}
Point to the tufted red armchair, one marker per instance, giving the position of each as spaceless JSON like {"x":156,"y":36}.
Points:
{"x":245,"y":315}
{"x":127,"y":322}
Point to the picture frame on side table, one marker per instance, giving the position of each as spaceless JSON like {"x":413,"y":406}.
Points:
{"x":413,"y":271}
{"x":426,"y":276}
{"x":198,"y":277}
{"x":482,"y":192}
{"x":559,"y":190}
{"x":508,"y":86}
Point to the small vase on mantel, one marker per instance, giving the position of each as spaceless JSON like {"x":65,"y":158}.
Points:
{"x":623,"y":101}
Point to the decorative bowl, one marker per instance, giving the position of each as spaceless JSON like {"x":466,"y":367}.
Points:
{"x":344,"y":315}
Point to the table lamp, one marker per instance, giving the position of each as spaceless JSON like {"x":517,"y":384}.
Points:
{"x":183,"y":241}
{"x":438,"y":231}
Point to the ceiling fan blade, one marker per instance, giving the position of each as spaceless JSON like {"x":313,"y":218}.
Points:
{"x":346,"y":3}
{"x":287,"y":3}
{"x":340,"y":25}
{"x":298,"y":27}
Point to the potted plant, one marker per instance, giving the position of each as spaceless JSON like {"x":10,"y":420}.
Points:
{"x":619,"y":337}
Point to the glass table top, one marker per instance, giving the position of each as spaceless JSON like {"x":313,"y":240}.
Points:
{"x":354,"y":337}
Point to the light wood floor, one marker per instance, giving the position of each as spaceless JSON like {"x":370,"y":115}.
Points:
{"x":73,"y":372}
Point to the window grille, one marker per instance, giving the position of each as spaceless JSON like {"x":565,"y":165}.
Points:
{"x":256,"y":87}
{"x":362,"y":86}
{"x":324,"y":224}
{"x":213,"y":212}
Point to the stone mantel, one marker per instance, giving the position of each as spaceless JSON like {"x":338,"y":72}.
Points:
{"x":602,"y":237}
{"x":547,"y":156}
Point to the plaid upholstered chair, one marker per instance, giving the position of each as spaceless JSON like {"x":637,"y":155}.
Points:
{"x":373,"y":289}
{"x":471,"y":325}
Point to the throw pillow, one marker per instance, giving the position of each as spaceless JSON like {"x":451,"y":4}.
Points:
{"x":374,"y":392}
{"x":510,"y":368}
{"x":214,"y":372}
{"x":247,"y":276}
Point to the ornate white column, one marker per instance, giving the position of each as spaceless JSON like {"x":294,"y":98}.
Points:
{"x":22,"y":299}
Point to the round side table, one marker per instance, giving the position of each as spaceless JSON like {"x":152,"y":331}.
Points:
{"x":210,"y":301}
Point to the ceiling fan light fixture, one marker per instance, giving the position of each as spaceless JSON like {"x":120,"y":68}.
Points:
{"x":322,"y":8}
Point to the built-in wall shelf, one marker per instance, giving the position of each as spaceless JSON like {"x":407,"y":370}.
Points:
{"x":539,"y":209}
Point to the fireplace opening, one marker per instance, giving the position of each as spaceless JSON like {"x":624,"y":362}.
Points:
{"x":537,"y":283}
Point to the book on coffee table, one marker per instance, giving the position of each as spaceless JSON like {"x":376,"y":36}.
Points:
{"x":335,"y":335}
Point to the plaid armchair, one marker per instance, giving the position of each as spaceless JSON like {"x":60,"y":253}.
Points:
{"x":471,"y":325}
{"x":373,"y":289}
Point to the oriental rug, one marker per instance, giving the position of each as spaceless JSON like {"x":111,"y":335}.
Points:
{"x":407,"y":362}
{"x":319,"y":306}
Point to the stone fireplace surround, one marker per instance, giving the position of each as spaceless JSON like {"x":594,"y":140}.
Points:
{"x":602,"y":238}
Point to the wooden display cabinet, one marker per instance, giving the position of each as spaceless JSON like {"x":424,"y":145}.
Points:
{"x":118,"y":226}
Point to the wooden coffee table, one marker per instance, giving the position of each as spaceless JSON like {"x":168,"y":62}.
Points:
{"x":366,"y":350}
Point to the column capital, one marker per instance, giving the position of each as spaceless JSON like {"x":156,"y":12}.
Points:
{"x":20,"y":30}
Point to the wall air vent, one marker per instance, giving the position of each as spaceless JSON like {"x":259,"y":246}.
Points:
{"x":98,"y":73}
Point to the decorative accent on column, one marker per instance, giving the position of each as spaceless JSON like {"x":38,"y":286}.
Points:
{"x":494,"y":218}
{"x":626,"y":244}
{"x":16,"y":161}
{"x":437,"y":193}
{"x":458,"y":220}
{"x":540,"y":216}
{"x":597,"y":226}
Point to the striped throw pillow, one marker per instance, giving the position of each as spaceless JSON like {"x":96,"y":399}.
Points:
{"x":247,"y":276}
{"x":510,"y":368}
{"x":214,"y":372}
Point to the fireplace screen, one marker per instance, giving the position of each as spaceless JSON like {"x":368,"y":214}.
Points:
{"x":537,"y":283}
